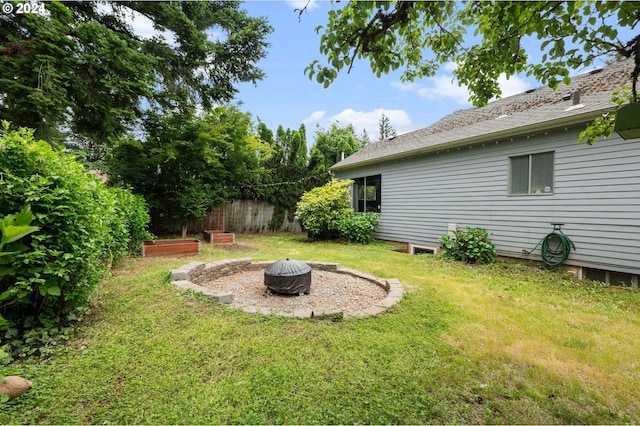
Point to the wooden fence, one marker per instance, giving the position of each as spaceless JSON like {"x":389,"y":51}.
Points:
{"x":248,"y":216}
{"x":239,"y":216}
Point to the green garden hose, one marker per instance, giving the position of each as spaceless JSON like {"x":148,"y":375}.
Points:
{"x":556,"y":248}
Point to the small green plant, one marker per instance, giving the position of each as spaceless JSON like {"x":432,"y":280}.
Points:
{"x":358,"y":228}
{"x":320,"y":208}
{"x":471,"y":246}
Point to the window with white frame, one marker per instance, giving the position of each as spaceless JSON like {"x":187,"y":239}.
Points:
{"x":366,"y":194}
{"x":531,"y":174}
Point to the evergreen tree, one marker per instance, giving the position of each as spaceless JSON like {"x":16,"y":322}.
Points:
{"x":80,"y":67}
{"x":364,"y":137}
{"x":384,"y":126}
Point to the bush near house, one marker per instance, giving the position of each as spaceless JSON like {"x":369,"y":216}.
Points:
{"x":325,"y":212}
{"x":358,"y":228}
{"x":320,"y":208}
{"x":84,"y":227}
{"x":470,"y":246}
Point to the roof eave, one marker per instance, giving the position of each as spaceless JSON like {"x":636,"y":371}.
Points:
{"x":515,"y":131}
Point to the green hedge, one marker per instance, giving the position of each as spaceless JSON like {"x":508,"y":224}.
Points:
{"x":325,"y":212}
{"x":84,"y":227}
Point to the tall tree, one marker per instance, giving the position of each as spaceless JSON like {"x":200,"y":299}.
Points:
{"x":187,"y":164}
{"x":284,"y":172}
{"x":419,"y":36}
{"x":298,"y":152}
{"x":384,"y":126}
{"x":364,"y":137}
{"x":81,"y":67}
{"x":331,"y":146}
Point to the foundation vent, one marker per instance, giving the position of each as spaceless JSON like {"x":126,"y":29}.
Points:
{"x":415,"y":249}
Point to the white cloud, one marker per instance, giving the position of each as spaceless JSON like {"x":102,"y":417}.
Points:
{"x":142,"y":25}
{"x":404,"y":87}
{"x":315,"y":117}
{"x":450,"y":67}
{"x":362,"y":120}
{"x":445,"y":87}
{"x":442,"y":87}
{"x":513,"y":85}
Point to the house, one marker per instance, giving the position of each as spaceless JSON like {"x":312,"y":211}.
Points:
{"x":513,"y":167}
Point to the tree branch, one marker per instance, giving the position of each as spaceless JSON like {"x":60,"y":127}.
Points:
{"x":21,"y":47}
{"x":301,"y":11}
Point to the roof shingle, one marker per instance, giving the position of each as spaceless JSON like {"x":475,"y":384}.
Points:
{"x":541,"y":107}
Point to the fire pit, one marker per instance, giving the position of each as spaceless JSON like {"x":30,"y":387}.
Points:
{"x":241,"y":283}
{"x":288,"y":277}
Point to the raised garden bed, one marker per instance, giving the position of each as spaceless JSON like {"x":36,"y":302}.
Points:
{"x":171,"y":247}
{"x":219,"y":237}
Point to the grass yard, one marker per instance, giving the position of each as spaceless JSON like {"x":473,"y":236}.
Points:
{"x":505,"y":343}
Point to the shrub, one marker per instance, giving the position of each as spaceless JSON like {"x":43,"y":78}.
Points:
{"x":470,"y":246}
{"x":129,"y":229}
{"x":320,"y":208}
{"x":84,"y":226}
{"x":358,"y":228}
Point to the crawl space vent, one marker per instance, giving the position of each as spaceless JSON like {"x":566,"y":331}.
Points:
{"x":422,"y":250}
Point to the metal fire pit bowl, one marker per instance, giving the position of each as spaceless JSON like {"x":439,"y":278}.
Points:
{"x":288,"y":277}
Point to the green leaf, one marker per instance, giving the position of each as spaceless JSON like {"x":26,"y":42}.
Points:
{"x":24,"y":217}
{"x":14,"y":233}
{"x":53,"y":291}
{"x":7,"y":294}
{"x":398,"y":34}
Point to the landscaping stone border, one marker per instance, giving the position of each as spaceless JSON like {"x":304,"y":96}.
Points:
{"x":191,"y":275}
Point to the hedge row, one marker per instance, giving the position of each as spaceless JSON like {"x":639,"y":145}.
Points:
{"x":85,"y":226}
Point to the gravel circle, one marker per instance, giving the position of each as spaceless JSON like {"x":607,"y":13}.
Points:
{"x":328,"y":289}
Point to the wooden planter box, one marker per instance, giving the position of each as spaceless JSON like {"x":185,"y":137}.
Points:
{"x":219,"y":237}
{"x":171,"y":247}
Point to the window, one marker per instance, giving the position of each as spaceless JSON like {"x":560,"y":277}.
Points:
{"x":366,"y":194}
{"x":531,"y":174}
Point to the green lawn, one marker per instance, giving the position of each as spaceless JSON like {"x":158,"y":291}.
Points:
{"x":504,"y":343}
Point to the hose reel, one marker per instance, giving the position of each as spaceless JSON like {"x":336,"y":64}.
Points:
{"x":555,"y":246}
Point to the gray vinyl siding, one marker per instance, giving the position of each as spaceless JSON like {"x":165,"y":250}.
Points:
{"x":596,"y":195}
